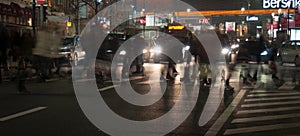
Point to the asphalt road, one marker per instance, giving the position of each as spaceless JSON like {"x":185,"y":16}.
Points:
{"x":52,"y":108}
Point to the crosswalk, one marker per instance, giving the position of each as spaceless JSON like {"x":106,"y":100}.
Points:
{"x":266,"y":112}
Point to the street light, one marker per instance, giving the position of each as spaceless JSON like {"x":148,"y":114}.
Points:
{"x":242,"y":9}
{"x":188,"y":10}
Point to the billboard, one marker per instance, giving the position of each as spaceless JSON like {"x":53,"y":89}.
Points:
{"x":230,"y":26}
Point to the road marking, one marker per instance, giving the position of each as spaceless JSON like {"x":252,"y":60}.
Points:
{"x":268,"y":110}
{"x":107,"y":88}
{"x":150,"y":81}
{"x":266,"y":91}
{"x":127,"y":79}
{"x":216,"y":127}
{"x":261,"y":128}
{"x":271,"y":99}
{"x":273,"y":94}
{"x":247,"y":87}
{"x":287,"y":86}
{"x":21,"y":114}
{"x":269,"y":104}
{"x":265,"y":118}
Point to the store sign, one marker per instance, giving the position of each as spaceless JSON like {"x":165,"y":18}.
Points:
{"x":252,"y":18}
{"x":41,"y":2}
{"x":276,"y":4}
{"x":175,"y":27}
{"x":230,"y":26}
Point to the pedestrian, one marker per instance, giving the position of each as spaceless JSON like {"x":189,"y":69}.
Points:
{"x":260,"y":47}
{"x":272,"y":65}
{"x":22,"y":76}
{"x":226,"y":75}
{"x":171,"y":71}
{"x":139,"y":60}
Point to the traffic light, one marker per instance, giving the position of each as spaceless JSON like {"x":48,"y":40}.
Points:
{"x":44,"y":13}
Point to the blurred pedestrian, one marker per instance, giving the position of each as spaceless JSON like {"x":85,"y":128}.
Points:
{"x":139,"y":60}
{"x":22,"y":76}
{"x":226,"y":75}
{"x":259,"y":49}
{"x":171,"y":71}
{"x":275,"y":46}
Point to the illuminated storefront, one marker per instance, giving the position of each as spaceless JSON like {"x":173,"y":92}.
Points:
{"x":14,"y":15}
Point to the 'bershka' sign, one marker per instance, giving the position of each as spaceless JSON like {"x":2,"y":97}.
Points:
{"x":276,"y":4}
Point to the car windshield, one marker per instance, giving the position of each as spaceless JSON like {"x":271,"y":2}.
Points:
{"x":68,"y":41}
{"x":291,"y":44}
{"x":295,"y":43}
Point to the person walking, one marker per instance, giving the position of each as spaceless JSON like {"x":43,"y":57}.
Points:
{"x":259,"y":47}
{"x":22,"y":76}
{"x":139,"y":60}
{"x":171,"y":71}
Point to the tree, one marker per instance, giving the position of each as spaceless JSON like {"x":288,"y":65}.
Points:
{"x":96,"y":5}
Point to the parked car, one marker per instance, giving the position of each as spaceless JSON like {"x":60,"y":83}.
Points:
{"x":289,"y":52}
{"x":68,"y":45}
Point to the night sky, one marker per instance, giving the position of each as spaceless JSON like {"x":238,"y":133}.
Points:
{"x":223,"y":4}
{"x":203,"y":4}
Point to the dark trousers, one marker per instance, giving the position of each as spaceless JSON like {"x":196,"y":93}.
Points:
{"x":21,"y":81}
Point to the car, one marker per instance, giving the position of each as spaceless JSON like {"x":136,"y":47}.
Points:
{"x":153,"y":52}
{"x":289,"y":52}
{"x":71,"y":47}
{"x":248,"y":51}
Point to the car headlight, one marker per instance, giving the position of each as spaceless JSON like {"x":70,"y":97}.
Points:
{"x":187,"y":48}
{"x":234,"y":46}
{"x":145,"y":50}
{"x":225,"y":51}
{"x":122,"y":52}
{"x":264,"y":53}
{"x":155,"y":50}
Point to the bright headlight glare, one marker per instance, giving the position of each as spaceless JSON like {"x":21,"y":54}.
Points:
{"x":225,"y":51}
{"x":122,"y":52}
{"x":187,"y":48}
{"x":155,"y":50}
{"x":235,"y":46}
{"x":145,"y":51}
{"x":264,"y":53}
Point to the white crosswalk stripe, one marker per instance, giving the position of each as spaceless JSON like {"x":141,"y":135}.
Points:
{"x":123,"y":80}
{"x":272,"y":107}
{"x":265,"y":118}
{"x":261,"y":128}
{"x":269,"y":99}
{"x":287,"y":86}
{"x":274,"y":94}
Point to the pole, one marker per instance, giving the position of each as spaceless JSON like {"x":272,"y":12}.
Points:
{"x":33,"y":21}
{"x":279,"y":21}
{"x":288,"y":19}
{"x":248,"y":7}
{"x":41,"y":16}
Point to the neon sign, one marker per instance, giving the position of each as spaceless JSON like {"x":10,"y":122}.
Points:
{"x":276,"y":4}
{"x":175,"y":27}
